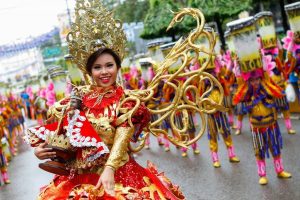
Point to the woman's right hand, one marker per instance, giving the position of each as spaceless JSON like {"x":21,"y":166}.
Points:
{"x":42,"y":152}
{"x":107,"y":179}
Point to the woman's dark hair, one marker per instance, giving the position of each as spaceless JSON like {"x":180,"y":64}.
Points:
{"x":94,"y":56}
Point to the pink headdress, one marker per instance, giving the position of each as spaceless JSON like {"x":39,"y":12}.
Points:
{"x":218,"y":63}
{"x":133,"y":71}
{"x":288,"y":42}
{"x":273,"y":51}
{"x":236,"y":69}
{"x":3,"y":98}
{"x":127,"y":76}
{"x":29,"y":92}
{"x":227,"y":55}
{"x":69,"y":87}
{"x":42,"y":93}
{"x":195,"y":66}
{"x":50,"y":94}
{"x":151,"y":73}
{"x":268,"y":64}
{"x":227,"y":60}
{"x":253,"y":74}
{"x":11,"y":97}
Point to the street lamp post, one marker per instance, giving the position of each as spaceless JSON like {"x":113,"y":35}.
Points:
{"x":69,"y":15}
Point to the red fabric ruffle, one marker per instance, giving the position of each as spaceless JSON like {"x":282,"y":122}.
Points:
{"x":129,"y":175}
{"x":106,"y":101}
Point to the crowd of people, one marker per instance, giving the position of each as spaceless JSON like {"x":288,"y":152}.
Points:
{"x":261,"y":93}
{"x":15,"y":108}
{"x":12,"y":126}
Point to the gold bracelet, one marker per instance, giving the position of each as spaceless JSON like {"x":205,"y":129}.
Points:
{"x":111,"y":167}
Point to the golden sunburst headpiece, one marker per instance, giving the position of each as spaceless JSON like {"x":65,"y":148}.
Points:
{"x":93,"y":29}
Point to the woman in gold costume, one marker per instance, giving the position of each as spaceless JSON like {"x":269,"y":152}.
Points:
{"x":103,"y":167}
{"x":117,"y":172}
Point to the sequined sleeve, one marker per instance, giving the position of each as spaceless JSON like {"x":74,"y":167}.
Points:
{"x":119,"y":151}
{"x":125,"y":133}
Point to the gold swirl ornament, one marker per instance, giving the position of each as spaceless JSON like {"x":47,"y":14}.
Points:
{"x":181,"y":82}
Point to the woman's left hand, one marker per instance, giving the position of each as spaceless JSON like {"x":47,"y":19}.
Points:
{"x":107,"y":179}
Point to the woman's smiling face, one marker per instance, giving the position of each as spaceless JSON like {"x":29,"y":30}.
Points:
{"x":104,"y":70}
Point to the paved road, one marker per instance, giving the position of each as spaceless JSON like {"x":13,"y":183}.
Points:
{"x":195,"y":174}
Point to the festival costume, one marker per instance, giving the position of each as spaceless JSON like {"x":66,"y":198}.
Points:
{"x":191,"y":128}
{"x":260,"y":102}
{"x":6,"y":150}
{"x":154,"y":104}
{"x":19,"y":118}
{"x":31,"y":110}
{"x":240,"y":110}
{"x":230,"y":59}
{"x":217,"y":124}
{"x":41,"y":106}
{"x":162,"y":95}
{"x":4,"y":179}
{"x":132,"y":82}
{"x":168,"y":95}
{"x":292,"y":43}
{"x":279,"y":73}
{"x":191,"y":132}
{"x":21,"y":107}
{"x":12,"y":128}
{"x":223,"y":69}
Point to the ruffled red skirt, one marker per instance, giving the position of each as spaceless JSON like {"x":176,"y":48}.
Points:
{"x":132,"y":181}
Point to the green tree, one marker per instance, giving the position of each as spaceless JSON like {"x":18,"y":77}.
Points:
{"x":131,"y":11}
{"x":158,"y":18}
{"x":110,"y":4}
{"x":220,"y":10}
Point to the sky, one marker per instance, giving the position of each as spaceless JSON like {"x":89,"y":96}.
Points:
{"x":20,"y":19}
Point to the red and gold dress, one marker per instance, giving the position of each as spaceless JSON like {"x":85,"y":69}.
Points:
{"x":110,"y":119}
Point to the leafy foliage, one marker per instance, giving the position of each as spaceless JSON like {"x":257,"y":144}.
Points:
{"x":131,"y":11}
{"x":158,"y":18}
{"x":224,"y":8}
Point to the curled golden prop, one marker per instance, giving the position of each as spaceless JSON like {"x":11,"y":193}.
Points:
{"x":202,"y":81}
{"x":141,"y":144}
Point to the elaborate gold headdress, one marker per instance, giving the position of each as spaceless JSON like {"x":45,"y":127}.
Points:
{"x":94,"y":28}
